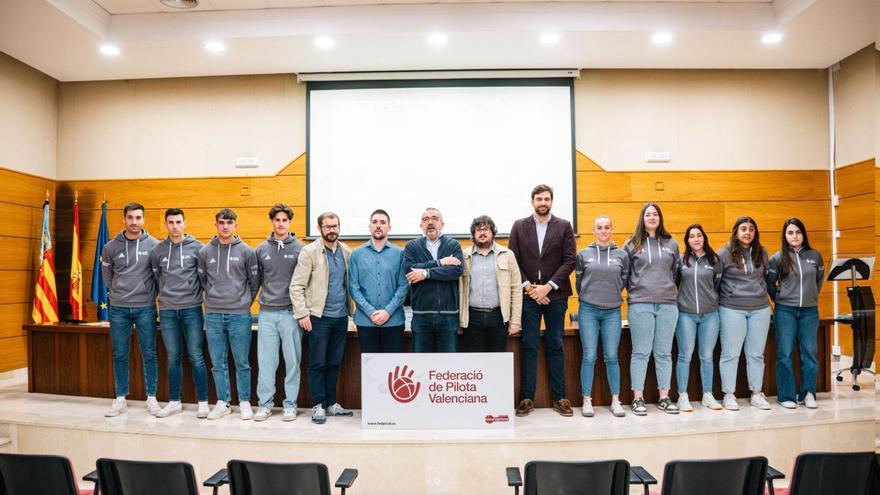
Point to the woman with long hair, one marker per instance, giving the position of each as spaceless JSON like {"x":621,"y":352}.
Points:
{"x":744,"y":311}
{"x":699,"y":278}
{"x":652,"y":299}
{"x":795,"y":277}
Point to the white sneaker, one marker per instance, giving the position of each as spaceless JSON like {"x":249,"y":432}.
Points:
{"x":263,"y":413}
{"x":289,"y":414}
{"x":337,"y":410}
{"x":203,"y":410}
{"x":587,"y":408}
{"x":318,"y":415}
{"x":758,"y":400}
{"x":119,"y":406}
{"x":153,"y":406}
{"x":244,"y":411}
{"x":788,"y":404}
{"x":709,"y":402}
{"x":810,"y":401}
{"x":730,"y":402}
{"x":617,"y":409}
{"x":221,"y":409}
{"x":170,"y":409}
{"x":684,"y":405}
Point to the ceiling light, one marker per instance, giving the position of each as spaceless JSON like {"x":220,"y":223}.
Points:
{"x":215,"y":46}
{"x":437,"y":39}
{"x":661,"y":38}
{"x":180,"y":4}
{"x":325,"y":42}
{"x":771,"y":38}
{"x":550,"y":38}
{"x":109,"y":50}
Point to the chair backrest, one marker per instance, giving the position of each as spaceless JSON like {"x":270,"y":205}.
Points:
{"x":743,"y":476}
{"x":122,"y":477}
{"x":22,"y":474}
{"x":819,"y":473}
{"x":278,"y":478}
{"x":581,"y":478}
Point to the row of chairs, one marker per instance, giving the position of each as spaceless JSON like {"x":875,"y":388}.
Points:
{"x":856,"y":473}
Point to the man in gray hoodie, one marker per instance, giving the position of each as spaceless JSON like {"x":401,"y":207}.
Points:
{"x":228,"y":273}
{"x":175,"y":267}
{"x":125,"y":266}
{"x":276,"y":327}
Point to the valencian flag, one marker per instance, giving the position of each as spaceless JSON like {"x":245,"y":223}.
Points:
{"x":99,"y":289}
{"x":77,"y":310}
{"x":45,"y":295}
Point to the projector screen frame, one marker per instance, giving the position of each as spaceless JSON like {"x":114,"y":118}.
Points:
{"x":311,"y":230}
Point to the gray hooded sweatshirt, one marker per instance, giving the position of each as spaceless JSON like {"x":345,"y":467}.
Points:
{"x":276,"y":260}
{"x":652,"y":272}
{"x":800,"y":288}
{"x":601,"y":274}
{"x":698,"y":285}
{"x":175,"y":268}
{"x":125,"y":266}
{"x":743,"y":288}
{"x":229,"y":274}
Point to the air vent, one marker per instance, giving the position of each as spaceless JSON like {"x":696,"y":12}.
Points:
{"x":180,"y":4}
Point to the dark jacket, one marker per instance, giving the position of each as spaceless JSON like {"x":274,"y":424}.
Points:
{"x":439,"y":292}
{"x":554,"y":263}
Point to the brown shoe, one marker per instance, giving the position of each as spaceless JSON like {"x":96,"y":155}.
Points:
{"x":525,"y":407}
{"x":563,"y":407}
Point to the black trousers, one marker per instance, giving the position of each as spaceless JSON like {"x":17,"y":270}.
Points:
{"x":486,"y":331}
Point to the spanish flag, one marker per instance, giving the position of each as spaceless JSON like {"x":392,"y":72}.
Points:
{"x":45,"y":295}
{"x":77,"y":309}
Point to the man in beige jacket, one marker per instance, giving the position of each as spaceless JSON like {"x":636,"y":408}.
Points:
{"x":319,"y":292}
{"x":490,"y":291}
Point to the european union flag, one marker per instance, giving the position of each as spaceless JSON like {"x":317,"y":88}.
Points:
{"x":99,"y":289}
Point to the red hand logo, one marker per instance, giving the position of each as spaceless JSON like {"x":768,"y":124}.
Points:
{"x":401,"y":385}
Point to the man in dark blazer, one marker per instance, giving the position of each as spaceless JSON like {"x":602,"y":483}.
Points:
{"x":545,"y":250}
{"x":432,"y":264}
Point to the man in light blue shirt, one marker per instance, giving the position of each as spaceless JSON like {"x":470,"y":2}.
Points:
{"x":377,"y":284}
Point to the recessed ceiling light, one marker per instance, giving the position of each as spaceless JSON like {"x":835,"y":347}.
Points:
{"x":109,"y":50}
{"x":550,"y":38}
{"x":437,"y":39}
{"x":180,"y":4}
{"x":662,"y":38}
{"x":325,"y":42}
{"x":215,"y":46}
{"x":771,"y":38}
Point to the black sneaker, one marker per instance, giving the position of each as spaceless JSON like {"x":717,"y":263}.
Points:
{"x":638,"y":407}
{"x":666,"y":404}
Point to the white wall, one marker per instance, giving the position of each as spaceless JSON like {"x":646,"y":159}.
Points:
{"x":28,"y":118}
{"x":187,"y":127}
{"x":855,"y":107}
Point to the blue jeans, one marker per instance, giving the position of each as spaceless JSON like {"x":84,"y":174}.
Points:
{"x":326,"y":347}
{"x":144,"y":321}
{"x":179,"y":326}
{"x":796,"y":324}
{"x":430,"y":328}
{"x":651,"y":327}
{"x":278,"y":329}
{"x":380,"y":339}
{"x":554,"y":322}
{"x":593,"y":322}
{"x":740,"y":327}
{"x":687,"y":334}
{"x":227,"y":331}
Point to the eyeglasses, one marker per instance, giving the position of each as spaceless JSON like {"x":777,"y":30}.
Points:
{"x":329,"y":227}
{"x":434,"y":218}
{"x":484,"y":229}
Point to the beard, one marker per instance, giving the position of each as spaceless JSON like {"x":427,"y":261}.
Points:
{"x":379,"y":235}
{"x":330,"y":236}
{"x":483,"y":245}
{"x":542,"y":210}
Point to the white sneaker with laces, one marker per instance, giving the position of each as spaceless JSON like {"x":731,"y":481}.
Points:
{"x":337,"y":410}
{"x":709,"y":402}
{"x":289,"y":414}
{"x":203,"y":410}
{"x":684,"y":404}
{"x":788,"y":404}
{"x":319,"y":417}
{"x":221,"y":409}
{"x":263,"y":414}
{"x":810,"y":401}
{"x":119,"y":406}
{"x":170,"y":409}
{"x":760,"y":401}
{"x":587,"y":408}
{"x":244,"y":411}
{"x":730,"y":402}
{"x":617,"y":409}
{"x":153,"y":406}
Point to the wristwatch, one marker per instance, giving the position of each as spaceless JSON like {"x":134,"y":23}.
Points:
{"x":424,"y":273}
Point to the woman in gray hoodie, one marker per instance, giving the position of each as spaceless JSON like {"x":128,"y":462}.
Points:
{"x":744,"y":312}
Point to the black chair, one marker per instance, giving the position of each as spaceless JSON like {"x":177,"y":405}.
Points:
{"x":821,"y":473}
{"x":120,"y":477}
{"x":719,"y":477}
{"x":581,"y":478}
{"x":22,"y":474}
{"x":278,"y":478}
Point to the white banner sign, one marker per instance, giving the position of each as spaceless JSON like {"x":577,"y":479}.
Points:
{"x":412,"y":391}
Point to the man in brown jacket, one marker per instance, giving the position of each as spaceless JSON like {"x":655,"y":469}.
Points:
{"x":545,"y":250}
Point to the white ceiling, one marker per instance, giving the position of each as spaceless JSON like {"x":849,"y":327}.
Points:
{"x":61,"y":37}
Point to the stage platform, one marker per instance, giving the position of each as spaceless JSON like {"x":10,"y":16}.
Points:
{"x":431,"y":462}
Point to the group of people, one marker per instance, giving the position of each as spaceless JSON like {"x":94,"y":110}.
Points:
{"x":485,"y":292}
